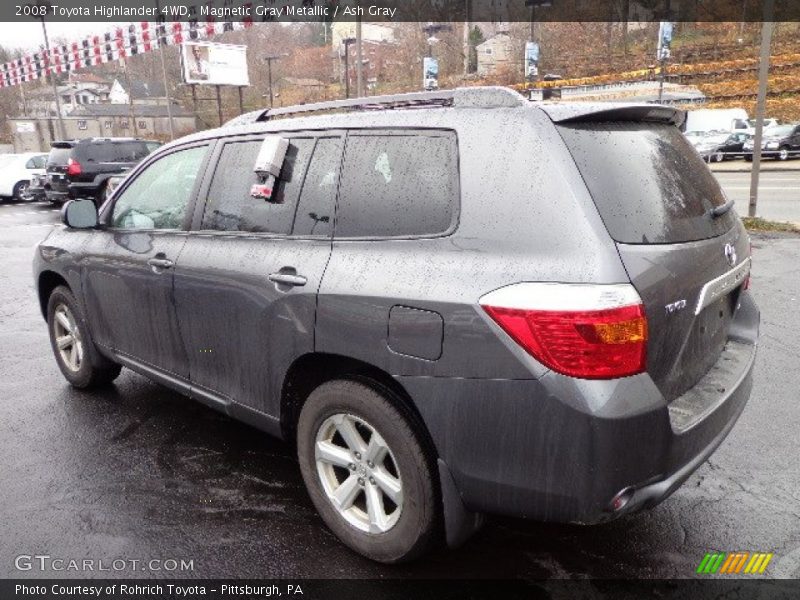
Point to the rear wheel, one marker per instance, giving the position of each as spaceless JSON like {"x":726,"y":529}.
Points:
{"x":75,"y":353}
{"x":20,"y":189}
{"x":367,"y":472}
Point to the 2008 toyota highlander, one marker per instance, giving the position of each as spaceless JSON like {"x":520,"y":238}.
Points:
{"x":454,"y":303}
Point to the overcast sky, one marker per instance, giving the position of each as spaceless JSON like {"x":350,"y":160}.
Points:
{"x":28,"y":36}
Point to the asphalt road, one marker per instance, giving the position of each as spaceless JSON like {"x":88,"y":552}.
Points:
{"x":779,"y":193}
{"x":137,"y":472}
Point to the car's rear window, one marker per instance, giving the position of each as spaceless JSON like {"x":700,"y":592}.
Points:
{"x":58,"y":156}
{"x":649,"y":184}
{"x":115,"y":152}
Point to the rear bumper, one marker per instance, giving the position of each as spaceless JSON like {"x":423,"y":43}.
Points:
{"x":56,"y":196}
{"x":561,"y":449}
{"x":83,"y":190}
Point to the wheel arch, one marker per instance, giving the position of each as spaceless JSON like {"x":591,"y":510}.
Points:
{"x":47,"y":282}
{"x":311,"y":370}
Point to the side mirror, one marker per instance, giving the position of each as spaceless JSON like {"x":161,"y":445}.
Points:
{"x":79,"y":214}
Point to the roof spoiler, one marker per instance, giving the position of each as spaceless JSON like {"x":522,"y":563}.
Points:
{"x":588,"y":113}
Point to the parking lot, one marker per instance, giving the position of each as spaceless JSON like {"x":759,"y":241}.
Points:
{"x":779,"y":191}
{"x":136,"y":471}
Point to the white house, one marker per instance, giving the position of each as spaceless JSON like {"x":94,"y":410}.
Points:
{"x":143,"y":92}
{"x":495,"y":54}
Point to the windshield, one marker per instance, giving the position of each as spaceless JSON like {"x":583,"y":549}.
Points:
{"x":649,"y":184}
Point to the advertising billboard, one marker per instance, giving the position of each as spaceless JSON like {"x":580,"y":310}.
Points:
{"x":665,"y":30}
{"x":430,"y":75}
{"x":531,"y":61}
{"x":214,"y":64}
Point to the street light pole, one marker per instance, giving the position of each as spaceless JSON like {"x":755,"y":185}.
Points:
{"x":269,"y":60}
{"x":767,"y":28}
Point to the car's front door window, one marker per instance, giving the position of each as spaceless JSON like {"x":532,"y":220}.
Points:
{"x":158,"y":197}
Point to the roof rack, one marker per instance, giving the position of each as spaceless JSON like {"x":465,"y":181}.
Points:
{"x":473,"y":97}
{"x":411,"y":100}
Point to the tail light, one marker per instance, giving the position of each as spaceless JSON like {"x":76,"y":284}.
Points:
{"x":580,"y":330}
{"x":73,"y":167}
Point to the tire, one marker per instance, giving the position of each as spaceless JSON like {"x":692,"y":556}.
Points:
{"x":719,"y":157}
{"x":80,"y":362}
{"x":406,"y":529}
{"x":783,"y":154}
{"x":19,"y":189}
{"x":749,"y":158}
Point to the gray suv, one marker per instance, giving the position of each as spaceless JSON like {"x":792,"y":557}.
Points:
{"x":454,"y":304}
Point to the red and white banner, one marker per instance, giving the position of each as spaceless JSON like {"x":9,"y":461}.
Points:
{"x":136,"y":38}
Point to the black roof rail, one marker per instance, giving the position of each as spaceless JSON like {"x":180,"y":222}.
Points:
{"x":413,"y":99}
{"x":474,"y":97}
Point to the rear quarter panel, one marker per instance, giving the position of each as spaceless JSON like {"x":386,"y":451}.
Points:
{"x":525,"y":215}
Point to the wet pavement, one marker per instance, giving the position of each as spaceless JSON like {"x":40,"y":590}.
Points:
{"x":137,"y":472}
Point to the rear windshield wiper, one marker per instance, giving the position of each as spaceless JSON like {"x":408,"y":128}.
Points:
{"x":720,"y":210}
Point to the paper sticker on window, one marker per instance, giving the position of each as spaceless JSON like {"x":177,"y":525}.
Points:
{"x":383,"y":167}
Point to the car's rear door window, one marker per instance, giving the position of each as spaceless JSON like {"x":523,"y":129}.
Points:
{"x":398,"y":184}
{"x":116,"y":152}
{"x":649,"y":184}
{"x":316,"y":207}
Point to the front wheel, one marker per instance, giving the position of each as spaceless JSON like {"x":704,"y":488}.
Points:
{"x":719,"y":157}
{"x":367,"y":472}
{"x":783,"y":154}
{"x":75,"y":353}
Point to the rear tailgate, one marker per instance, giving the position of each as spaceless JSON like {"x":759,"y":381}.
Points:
{"x":56,"y":166}
{"x":657,"y":200}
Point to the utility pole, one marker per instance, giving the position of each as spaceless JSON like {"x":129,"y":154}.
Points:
{"x":269,"y":60}
{"x":360,"y":59}
{"x":767,"y":28}
{"x":347,"y":42}
{"x":164,"y":71}
{"x":63,"y":131}
{"x":131,"y":112}
{"x":466,"y":37}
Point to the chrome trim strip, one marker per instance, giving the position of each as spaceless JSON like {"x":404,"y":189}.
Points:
{"x":723,"y":284}
{"x":562,"y":296}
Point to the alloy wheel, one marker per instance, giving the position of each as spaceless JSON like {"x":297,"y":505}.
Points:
{"x":22,"y":190}
{"x":67,"y":337}
{"x":359,"y":473}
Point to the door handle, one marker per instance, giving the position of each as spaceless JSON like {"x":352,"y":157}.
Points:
{"x":287,"y":277}
{"x":160,"y":263}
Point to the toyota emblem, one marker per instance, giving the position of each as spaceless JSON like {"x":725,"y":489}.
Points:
{"x":730,"y":254}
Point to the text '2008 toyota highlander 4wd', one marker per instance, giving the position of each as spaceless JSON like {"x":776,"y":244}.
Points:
{"x":453,"y":303}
